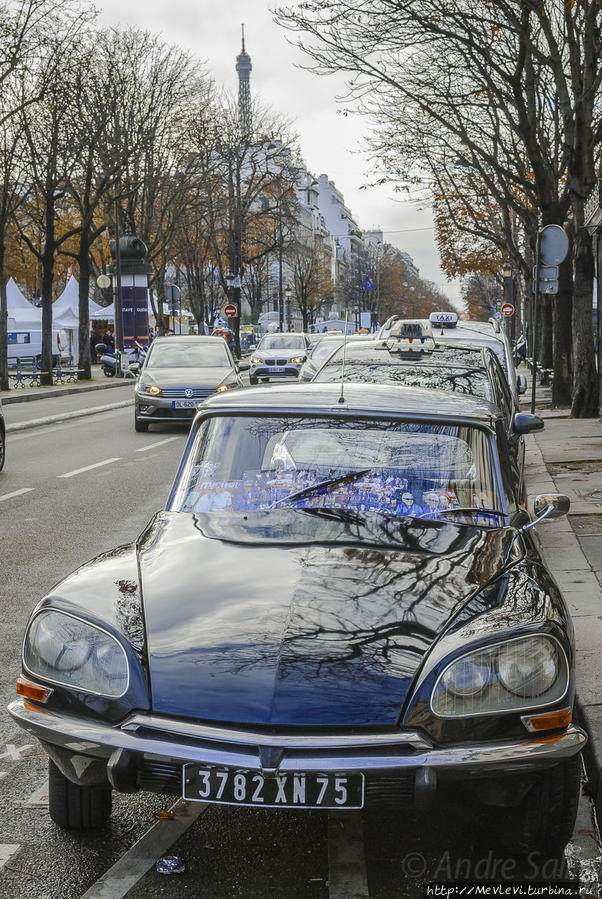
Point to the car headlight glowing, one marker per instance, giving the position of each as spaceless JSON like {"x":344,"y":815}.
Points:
{"x":147,"y":387}
{"x":223,"y":387}
{"x":298,"y":360}
{"x":256,"y":360}
{"x":523,"y":673}
{"x":61,"y":648}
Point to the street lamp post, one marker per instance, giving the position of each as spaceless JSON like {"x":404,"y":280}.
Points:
{"x":508,"y":297}
{"x":288,"y":293}
{"x":229,"y":279}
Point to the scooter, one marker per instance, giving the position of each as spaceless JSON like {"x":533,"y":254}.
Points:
{"x":108,"y":360}
{"x":520,"y":350}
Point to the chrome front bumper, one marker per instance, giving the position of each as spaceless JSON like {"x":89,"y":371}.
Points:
{"x":174,"y":740}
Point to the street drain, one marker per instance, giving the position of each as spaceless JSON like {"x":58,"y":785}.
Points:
{"x":587,"y":525}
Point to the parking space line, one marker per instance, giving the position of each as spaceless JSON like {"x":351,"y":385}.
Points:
{"x":132,"y":866}
{"x":16,"y":493}
{"x":347,"y":874}
{"x":151,"y":446}
{"x":38,"y":799}
{"x":71,"y":474}
{"x":7,"y":850}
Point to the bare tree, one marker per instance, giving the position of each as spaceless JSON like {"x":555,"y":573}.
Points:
{"x":490,"y":102}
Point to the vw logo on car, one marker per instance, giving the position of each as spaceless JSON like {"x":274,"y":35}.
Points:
{"x":188,"y":393}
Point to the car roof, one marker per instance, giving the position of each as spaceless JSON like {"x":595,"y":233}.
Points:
{"x":360,"y":398}
{"x":197,"y":338}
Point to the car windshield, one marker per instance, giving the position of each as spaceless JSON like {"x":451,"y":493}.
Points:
{"x":394,"y":468}
{"x":182,"y":354}
{"x":324,"y":349}
{"x":282,"y":342}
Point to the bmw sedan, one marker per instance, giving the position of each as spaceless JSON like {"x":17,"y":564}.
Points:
{"x":179,"y":373}
{"x":278,"y":356}
{"x":340,"y":606}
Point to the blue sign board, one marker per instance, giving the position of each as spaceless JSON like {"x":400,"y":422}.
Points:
{"x":368,"y":284}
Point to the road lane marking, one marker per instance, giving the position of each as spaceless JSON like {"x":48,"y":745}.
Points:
{"x":71,"y":474}
{"x":7,"y":850}
{"x":347,"y":875}
{"x":14,"y":752}
{"x":132,"y":866}
{"x":151,"y":446}
{"x":16,"y":493}
{"x":38,"y":799}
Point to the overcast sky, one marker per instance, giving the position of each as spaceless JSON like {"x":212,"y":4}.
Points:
{"x":330,"y":143}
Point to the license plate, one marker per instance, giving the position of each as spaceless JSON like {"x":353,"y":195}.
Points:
{"x":298,"y":789}
{"x":184,"y":404}
{"x":276,"y":368}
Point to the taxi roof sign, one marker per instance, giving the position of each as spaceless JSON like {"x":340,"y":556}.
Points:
{"x":411,"y":329}
{"x":444,"y":319}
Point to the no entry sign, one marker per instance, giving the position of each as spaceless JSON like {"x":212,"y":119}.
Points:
{"x":231,"y":310}
{"x":508,"y":309}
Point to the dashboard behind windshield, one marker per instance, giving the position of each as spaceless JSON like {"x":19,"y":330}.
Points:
{"x":394,"y":468}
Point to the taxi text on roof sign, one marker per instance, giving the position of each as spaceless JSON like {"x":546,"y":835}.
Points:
{"x":444,"y":319}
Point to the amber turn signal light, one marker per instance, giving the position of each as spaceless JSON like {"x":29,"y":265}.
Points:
{"x":33,"y":691}
{"x":548,"y":720}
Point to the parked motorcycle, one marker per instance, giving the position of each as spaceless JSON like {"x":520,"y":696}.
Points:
{"x":520,"y":350}
{"x":108,"y":360}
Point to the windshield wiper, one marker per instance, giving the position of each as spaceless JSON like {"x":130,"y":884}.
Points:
{"x":472,"y":510}
{"x":331,"y":482}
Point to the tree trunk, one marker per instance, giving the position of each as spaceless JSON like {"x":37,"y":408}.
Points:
{"x":47,"y":346}
{"x":585,"y":392}
{"x":85,"y":362}
{"x":4,"y":385}
{"x":562,"y":350}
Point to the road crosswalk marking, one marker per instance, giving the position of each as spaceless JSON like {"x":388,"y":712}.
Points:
{"x":70,"y":474}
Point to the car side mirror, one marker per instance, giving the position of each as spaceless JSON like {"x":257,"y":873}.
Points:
{"x":243,"y":366}
{"x":521,"y":384}
{"x":525,"y":423}
{"x":551,"y":505}
{"x":251,"y":347}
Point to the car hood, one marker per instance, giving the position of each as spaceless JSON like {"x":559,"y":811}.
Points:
{"x":187,"y":377}
{"x":300,"y":634}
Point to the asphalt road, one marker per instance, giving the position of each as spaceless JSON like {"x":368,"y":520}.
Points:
{"x":68,"y":492}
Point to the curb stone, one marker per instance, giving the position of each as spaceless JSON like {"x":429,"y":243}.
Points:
{"x":65,"y":416}
{"x":28,"y":395}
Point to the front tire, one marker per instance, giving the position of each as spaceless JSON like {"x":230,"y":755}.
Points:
{"x":141,"y":427}
{"x":252,"y":380}
{"x":76,"y":808}
{"x":544,"y":820}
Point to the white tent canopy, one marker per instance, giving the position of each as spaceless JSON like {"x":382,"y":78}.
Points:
{"x":25,"y":319}
{"x":15,"y":299}
{"x":69,"y":299}
{"x":102,"y":313}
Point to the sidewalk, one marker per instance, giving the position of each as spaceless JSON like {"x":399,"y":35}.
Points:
{"x":28,"y":394}
{"x":566,"y":457}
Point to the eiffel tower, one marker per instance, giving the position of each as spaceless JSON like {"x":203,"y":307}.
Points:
{"x":243,"y":67}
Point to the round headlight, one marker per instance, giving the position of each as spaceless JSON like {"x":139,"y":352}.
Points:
{"x":466,"y":677}
{"x":67,"y":650}
{"x":528,"y":667}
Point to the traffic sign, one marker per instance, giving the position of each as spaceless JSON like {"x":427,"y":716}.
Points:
{"x":507,"y":309}
{"x":548,"y":286}
{"x":368,"y":284}
{"x":554,"y":245}
{"x":231,"y":310}
{"x":498,"y":316}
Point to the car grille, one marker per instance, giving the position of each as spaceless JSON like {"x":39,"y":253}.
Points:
{"x":276,"y":362}
{"x":178,"y":392}
{"x":166,"y":777}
